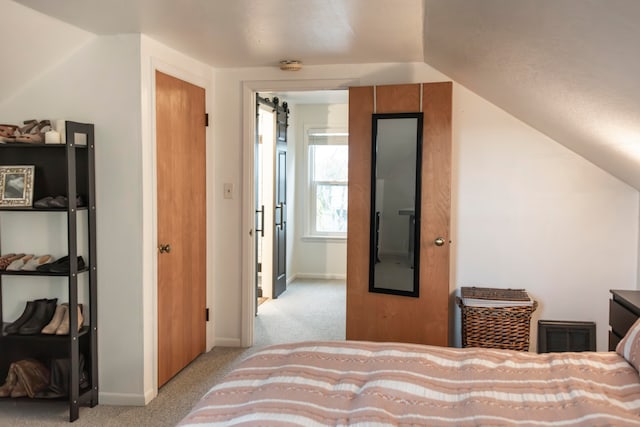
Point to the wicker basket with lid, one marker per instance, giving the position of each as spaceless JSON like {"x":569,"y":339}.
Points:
{"x":496,"y":318}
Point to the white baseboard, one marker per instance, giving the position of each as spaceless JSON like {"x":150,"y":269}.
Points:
{"x":326,"y":276}
{"x":227,"y":342}
{"x":125,"y":399}
{"x":291,"y":278}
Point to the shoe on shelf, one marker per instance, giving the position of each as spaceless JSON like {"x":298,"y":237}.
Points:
{"x":9,"y":383}
{"x":29,"y":309}
{"x":28,"y":127}
{"x":46,"y":268}
{"x":35,"y":134}
{"x":56,"y":320}
{"x":7,"y":131}
{"x":6,"y":260}
{"x":33,"y":375}
{"x":41,"y":316}
{"x":64,"y":327}
{"x":43,"y":203}
{"x":18,"y":391}
{"x":35,"y":262}
{"x":64,"y":266}
{"x":19,"y":263}
{"x":59,"y":202}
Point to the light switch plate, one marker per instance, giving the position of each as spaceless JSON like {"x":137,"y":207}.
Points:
{"x":228,"y":190}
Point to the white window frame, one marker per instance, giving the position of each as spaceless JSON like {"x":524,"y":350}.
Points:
{"x":334,"y":136}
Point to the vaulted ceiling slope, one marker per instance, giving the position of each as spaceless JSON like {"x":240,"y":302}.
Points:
{"x":32,"y":44}
{"x":566,"y":67}
{"x":569,"y":68}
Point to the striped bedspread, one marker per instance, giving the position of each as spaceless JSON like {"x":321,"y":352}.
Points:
{"x":379,"y":384}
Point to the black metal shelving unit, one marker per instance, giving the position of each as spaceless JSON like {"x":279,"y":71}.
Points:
{"x":61,"y":169}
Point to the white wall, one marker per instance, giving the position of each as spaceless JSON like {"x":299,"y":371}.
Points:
{"x":526,"y":212}
{"x":314,"y":257}
{"x":532,"y":214}
{"x":100,"y":84}
{"x":33,"y":44}
{"x":109,"y":82}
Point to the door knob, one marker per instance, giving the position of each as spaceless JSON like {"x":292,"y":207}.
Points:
{"x":164,"y":248}
{"x":439,"y":241}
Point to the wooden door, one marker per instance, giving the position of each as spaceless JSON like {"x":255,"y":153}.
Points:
{"x":383,"y":317}
{"x":181,"y":195}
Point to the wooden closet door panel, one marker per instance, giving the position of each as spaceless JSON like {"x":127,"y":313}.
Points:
{"x":181,"y":195}
{"x":359,"y":208}
{"x":398,"y":98}
{"x":436,"y":209}
{"x":384,"y":317}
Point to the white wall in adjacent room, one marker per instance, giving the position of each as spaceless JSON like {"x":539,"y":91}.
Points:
{"x":315,"y":257}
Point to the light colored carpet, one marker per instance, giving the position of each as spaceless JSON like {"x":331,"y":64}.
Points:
{"x":308,"y":310}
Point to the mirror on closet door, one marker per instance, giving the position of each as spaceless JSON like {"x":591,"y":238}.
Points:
{"x":395,"y":203}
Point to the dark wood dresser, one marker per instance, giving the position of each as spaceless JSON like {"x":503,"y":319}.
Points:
{"x":624,"y":310}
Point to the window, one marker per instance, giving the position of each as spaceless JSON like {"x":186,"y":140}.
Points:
{"x":328,"y":171}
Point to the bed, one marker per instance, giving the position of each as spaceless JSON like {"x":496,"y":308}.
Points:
{"x":366,"y":383}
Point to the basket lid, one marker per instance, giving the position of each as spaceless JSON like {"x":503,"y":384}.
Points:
{"x":494,"y":294}
{"x":494,"y":297}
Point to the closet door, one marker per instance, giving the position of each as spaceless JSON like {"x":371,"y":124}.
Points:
{"x":181,"y":172}
{"x":383,"y":317}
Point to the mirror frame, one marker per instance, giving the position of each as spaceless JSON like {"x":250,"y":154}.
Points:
{"x":417,"y":204}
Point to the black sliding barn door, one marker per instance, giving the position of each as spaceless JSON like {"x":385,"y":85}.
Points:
{"x":280,"y":212}
{"x":279,"y":206}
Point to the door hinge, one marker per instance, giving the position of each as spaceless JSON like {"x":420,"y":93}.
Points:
{"x":206,"y":119}
{"x":207,"y":314}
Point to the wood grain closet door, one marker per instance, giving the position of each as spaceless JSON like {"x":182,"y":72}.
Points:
{"x":383,"y":317}
{"x":181,"y":195}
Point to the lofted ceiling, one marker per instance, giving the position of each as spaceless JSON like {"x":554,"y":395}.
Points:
{"x":566,"y":67}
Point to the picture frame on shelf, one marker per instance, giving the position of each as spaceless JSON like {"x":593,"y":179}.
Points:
{"x":16,"y":186}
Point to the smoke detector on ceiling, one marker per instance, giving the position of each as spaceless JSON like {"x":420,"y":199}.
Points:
{"x":290,"y":65}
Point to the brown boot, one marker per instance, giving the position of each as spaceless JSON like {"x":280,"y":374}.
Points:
{"x":18,"y":390}
{"x":10,"y":382}
{"x":33,"y":376}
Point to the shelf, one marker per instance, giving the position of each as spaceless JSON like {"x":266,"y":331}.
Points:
{"x":84,"y":397}
{"x":39,"y":273}
{"x":27,"y":145}
{"x":68,"y":170}
{"x":41,"y":337}
{"x":26,"y":209}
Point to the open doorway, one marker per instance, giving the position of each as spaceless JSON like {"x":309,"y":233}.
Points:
{"x":316,"y":214}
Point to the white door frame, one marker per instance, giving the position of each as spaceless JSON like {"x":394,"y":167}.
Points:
{"x":249,"y":89}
